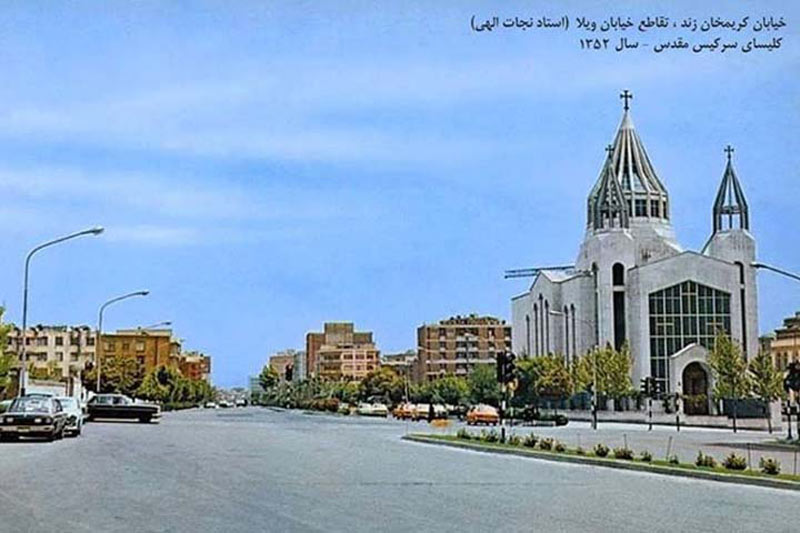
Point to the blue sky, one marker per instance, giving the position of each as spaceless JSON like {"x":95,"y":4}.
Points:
{"x":265,"y":167}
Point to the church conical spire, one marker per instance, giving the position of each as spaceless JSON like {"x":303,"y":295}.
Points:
{"x":730,"y":204}
{"x":644,"y":196}
{"x":607,"y":205}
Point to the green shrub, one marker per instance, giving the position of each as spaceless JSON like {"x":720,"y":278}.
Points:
{"x":463,"y":434}
{"x":580,"y":451}
{"x":673,"y":459}
{"x":559,"y":447}
{"x":770,"y":466}
{"x":530,"y":440}
{"x":514,"y":440}
{"x":490,"y":436}
{"x":705,"y":460}
{"x":646,"y":456}
{"x":546,"y":444}
{"x":734,"y":462}
{"x":600,"y":449}
{"x":623,"y":453}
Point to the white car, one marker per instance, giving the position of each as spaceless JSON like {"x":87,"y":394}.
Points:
{"x":72,"y":408}
{"x":210,"y":405}
{"x":373,"y":409}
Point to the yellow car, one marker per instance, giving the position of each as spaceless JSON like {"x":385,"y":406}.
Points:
{"x":483,"y":414}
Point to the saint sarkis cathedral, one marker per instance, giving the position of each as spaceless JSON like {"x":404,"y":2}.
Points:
{"x":633,"y":282}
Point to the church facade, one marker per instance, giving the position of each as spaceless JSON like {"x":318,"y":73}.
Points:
{"x":633,"y":282}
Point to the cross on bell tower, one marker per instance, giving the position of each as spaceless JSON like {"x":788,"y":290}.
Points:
{"x":625,"y":96}
{"x":729,"y":150}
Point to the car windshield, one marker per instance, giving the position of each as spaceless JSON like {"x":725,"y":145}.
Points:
{"x":67,"y":403}
{"x":30,"y":405}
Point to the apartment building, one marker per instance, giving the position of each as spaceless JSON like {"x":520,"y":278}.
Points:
{"x":63,"y":349}
{"x":340,"y":352}
{"x":784,"y":343}
{"x":455,"y":346}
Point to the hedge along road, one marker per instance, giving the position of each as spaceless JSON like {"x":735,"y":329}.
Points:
{"x":258,"y":470}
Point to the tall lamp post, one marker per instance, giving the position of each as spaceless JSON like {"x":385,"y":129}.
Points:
{"x":594,"y":368}
{"x":99,"y":346}
{"x":23,"y":352}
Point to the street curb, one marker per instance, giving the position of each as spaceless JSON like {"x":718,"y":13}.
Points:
{"x":610,"y":463}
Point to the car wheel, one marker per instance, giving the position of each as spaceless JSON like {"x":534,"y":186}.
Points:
{"x":144,"y":420}
{"x":78,"y":431}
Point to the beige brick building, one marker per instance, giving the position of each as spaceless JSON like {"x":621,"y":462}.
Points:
{"x":65,"y":349}
{"x":340,"y":352}
{"x":784,"y":343}
{"x":456,"y":345}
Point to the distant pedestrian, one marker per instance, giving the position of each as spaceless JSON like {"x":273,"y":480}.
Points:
{"x":430,"y":413}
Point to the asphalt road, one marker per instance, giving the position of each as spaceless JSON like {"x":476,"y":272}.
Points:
{"x":260,"y":470}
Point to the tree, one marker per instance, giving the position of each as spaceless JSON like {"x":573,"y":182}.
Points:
{"x":766,"y":380}
{"x":117,"y":374}
{"x":452,"y":390}
{"x":730,"y":371}
{"x":554,"y":379}
{"x":8,"y":361}
{"x":483,"y":386}
{"x":382,"y":383}
{"x":617,"y":372}
{"x":268,"y":378}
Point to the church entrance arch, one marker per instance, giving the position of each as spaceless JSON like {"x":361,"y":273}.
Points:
{"x":695,"y":389}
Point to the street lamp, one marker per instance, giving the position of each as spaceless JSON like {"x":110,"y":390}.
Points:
{"x":157,"y":325}
{"x":594,"y":367}
{"x":98,"y":348}
{"x":97,"y":230}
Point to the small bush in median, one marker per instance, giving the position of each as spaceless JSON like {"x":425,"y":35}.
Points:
{"x":705,"y":460}
{"x":734,"y":462}
{"x":646,"y":456}
{"x":770,"y":466}
{"x":623,"y":453}
{"x":600,"y":449}
{"x":530,"y":440}
{"x":673,"y":459}
{"x":490,"y":436}
{"x":559,"y":447}
{"x":463,"y":434}
{"x":546,"y":444}
{"x":514,"y":440}
{"x":580,"y":451}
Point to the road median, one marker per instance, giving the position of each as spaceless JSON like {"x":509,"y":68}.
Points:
{"x":748,"y":477}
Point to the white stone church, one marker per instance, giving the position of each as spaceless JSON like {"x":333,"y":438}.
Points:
{"x":632,"y":281}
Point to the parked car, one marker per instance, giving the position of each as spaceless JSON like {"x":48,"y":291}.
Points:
{"x":224,"y":404}
{"x":33,"y":416}
{"x":210,"y":405}
{"x":373,"y":409}
{"x":120,"y":406}
{"x":483,"y":414}
{"x":241,"y":402}
{"x":72,"y":409}
{"x":404,"y":411}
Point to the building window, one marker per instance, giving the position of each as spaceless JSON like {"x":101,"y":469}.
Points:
{"x":139,"y":346}
{"x":90,"y":341}
{"x":59,"y":341}
{"x":618,"y":274}
{"x":41,"y":341}
{"x":683,"y":314}
{"x":109,"y":346}
{"x":527,"y":335}
{"x":126,"y":346}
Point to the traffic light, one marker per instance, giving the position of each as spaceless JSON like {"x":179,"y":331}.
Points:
{"x":646,"y":386}
{"x":509,"y":367}
{"x":501,"y":367}
{"x":289,"y":372}
{"x":792,"y":379}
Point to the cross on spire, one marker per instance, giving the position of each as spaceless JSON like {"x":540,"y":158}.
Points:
{"x":729,"y":150}
{"x":626,"y":95}
{"x":609,"y":149}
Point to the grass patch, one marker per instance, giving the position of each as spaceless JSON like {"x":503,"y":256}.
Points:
{"x":645,"y":464}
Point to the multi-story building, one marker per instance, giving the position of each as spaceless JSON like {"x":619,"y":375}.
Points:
{"x":150,"y":347}
{"x":405,"y":363}
{"x":784,"y":343}
{"x":196,"y":366}
{"x":65,"y":349}
{"x":337,"y":336}
{"x":456,"y":345}
{"x":299,"y":367}
{"x":340,"y":352}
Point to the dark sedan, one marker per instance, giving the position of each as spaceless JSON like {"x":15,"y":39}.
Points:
{"x":119,"y":406}
{"x":33,"y":416}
